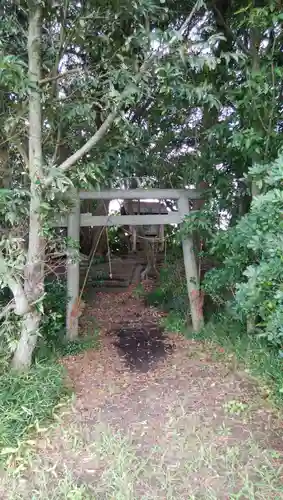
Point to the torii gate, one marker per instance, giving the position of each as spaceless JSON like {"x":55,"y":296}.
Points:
{"x":75,"y":220}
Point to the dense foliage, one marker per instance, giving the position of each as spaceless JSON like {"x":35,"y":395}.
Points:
{"x":252,"y":256}
{"x":175,"y":93}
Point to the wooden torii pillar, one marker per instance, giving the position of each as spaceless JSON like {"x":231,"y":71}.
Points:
{"x":73,"y":270}
{"x":192,"y":273}
{"x":76,"y":219}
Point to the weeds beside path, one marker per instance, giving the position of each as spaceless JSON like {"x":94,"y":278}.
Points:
{"x":188,"y":428}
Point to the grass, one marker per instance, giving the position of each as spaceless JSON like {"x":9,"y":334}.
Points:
{"x":51,"y":351}
{"x":63,"y":488}
{"x":110,"y":461}
{"x":197,"y":455}
{"x":252,"y":353}
{"x":29,"y":399}
{"x":26,"y":400}
{"x":187,"y":463}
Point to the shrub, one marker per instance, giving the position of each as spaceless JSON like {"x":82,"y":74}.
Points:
{"x":171,"y":292}
{"x":9,"y":331}
{"x":52,"y":342}
{"x":53,"y":328}
{"x":252,"y":257}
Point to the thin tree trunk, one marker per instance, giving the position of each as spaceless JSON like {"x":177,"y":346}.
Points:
{"x":197,"y":239}
{"x":101,"y":245}
{"x":257,"y":125}
{"x":34,"y":268}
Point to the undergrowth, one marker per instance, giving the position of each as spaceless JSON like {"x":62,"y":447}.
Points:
{"x":171,"y":293}
{"x":46,"y":352}
{"x":53,"y":327}
{"x":52,"y":342}
{"x":26,"y":400}
{"x":255,"y":354}
{"x":252,"y":353}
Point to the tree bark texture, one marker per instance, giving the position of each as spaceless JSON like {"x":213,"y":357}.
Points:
{"x":34,"y":267}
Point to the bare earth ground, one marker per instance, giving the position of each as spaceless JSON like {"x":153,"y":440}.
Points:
{"x":165,"y":421}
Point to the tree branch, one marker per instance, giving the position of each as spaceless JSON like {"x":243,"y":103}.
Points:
{"x":228,"y":31}
{"x":99,"y":134}
{"x":62,"y":38}
{"x":60,"y":75}
{"x":57,"y":143}
{"x":9,"y":307}
{"x":23,"y":152}
{"x":67,"y":164}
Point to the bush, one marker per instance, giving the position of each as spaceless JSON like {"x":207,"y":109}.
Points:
{"x":175,"y":322}
{"x":52,"y":342}
{"x":52,"y":332}
{"x":9,"y":331}
{"x":252,"y":258}
{"x":171,"y":292}
{"x":53,"y":327}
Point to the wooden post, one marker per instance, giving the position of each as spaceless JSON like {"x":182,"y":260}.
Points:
{"x":161,"y":236}
{"x":134,"y":229}
{"x":73,"y":271}
{"x":192,"y":275}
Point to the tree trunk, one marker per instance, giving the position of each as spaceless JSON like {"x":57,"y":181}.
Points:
{"x":34,"y":267}
{"x":198,"y":205}
{"x":257,"y":125}
{"x":23,"y":356}
{"x":101,"y":245}
{"x":150,"y":270}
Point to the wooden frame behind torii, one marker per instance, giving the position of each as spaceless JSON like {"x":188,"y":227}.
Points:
{"x":144,"y":207}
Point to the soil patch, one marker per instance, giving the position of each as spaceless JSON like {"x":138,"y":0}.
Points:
{"x":142,"y":346}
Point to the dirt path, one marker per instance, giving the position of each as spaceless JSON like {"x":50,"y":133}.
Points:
{"x":155,"y":418}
